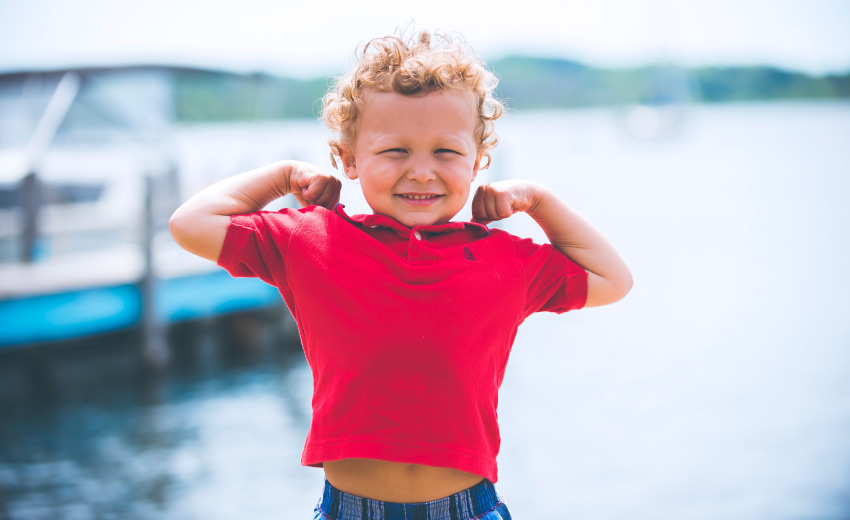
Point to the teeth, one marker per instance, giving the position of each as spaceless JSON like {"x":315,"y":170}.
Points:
{"x":420,"y":197}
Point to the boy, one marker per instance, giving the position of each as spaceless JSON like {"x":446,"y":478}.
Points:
{"x":406,"y":317}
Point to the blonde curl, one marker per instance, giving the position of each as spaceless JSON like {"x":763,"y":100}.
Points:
{"x":428,"y":62}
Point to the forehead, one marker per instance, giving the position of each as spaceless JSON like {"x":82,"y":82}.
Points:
{"x":451,"y":107}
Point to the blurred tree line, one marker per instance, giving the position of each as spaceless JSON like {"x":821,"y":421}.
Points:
{"x":526,"y":82}
{"x":206,"y":95}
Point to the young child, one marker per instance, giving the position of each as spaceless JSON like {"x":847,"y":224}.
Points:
{"x":406,"y":317}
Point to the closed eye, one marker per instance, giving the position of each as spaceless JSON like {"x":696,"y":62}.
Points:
{"x":447,"y":150}
{"x":394,"y":150}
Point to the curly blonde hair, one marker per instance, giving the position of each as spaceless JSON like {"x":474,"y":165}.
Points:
{"x":412,"y":66}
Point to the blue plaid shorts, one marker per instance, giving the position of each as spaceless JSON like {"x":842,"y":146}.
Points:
{"x":480,"y":502}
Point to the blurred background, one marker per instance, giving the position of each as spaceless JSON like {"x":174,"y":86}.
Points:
{"x":707,"y":140}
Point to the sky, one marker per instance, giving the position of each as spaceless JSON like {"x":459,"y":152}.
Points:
{"x":304,"y":38}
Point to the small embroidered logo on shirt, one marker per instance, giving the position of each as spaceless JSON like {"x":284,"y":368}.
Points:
{"x":468,"y":254}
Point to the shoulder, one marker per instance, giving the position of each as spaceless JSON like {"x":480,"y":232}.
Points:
{"x":516,"y":245}
{"x":285,"y":218}
{"x":496,"y":247}
{"x":535,"y":256}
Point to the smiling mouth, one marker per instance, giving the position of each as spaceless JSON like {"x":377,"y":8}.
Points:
{"x":417,"y":197}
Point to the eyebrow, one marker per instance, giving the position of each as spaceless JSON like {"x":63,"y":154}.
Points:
{"x":455,"y":140}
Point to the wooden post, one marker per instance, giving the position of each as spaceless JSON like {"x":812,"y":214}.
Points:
{"x":30,"y":202}
{"x":154,"y":344}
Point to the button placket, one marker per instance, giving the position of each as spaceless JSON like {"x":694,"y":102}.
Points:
{"x":413,"y":245}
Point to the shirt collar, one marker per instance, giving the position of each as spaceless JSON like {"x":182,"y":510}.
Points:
{"x":373,"y":221}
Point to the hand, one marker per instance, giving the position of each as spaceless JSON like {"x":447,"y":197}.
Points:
{"x":502,"y":199}
{"x":310,"y":185}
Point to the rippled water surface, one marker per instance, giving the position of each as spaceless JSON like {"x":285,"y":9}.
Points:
{"x":717,"y":389}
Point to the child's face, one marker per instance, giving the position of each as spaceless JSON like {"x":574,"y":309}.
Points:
{"x":415,"y":156}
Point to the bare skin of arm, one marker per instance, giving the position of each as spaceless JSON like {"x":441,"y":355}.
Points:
{"x":200,"y":224}
{"x":608,"y":277}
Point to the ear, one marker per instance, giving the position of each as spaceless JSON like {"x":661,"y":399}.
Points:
{"x":477,"y":165}
{"x":349,"y":164}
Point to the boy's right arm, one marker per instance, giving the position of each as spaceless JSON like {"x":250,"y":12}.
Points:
{"x":200,"y":224}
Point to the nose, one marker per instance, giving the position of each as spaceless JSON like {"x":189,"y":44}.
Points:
{"x":421,"y":170}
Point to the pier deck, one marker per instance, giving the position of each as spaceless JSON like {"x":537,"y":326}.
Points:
{"x":102,"y":291}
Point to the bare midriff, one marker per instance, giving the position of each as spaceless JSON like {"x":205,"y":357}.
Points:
{"x":396,"y":482}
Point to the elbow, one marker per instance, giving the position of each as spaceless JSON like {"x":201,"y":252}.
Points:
{"x":180,"y":227}
{"x":605,"y":291}
{"x":626,"y":284}
{"x":176,"y":226}
{"x":617,"y":291}
{"x":621,"y":285}
{"x":197,"y":232}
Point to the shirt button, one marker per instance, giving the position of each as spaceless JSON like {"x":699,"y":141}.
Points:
{"x":417,"y":235}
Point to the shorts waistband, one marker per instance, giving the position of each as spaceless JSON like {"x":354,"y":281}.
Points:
{"x":470,"y":503}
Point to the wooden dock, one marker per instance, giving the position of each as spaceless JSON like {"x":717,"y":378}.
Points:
{"x":102,"y":291}
{"x":84,"y":246}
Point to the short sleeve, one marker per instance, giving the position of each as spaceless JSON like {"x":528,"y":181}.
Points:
{"x":554,"y":283}
{"x":256,"y":244}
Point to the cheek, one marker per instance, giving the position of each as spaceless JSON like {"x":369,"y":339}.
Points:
{"x":463,"y":180}
{"x":460,"y":189}
{"x":375,"y":187}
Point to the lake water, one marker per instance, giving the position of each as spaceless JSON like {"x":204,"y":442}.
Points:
{"x":719,"y":388}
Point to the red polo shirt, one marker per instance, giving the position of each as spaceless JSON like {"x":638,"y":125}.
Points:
{"x":407,"y":331}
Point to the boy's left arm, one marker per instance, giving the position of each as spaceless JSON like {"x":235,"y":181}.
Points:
{"x":608,"y":277}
